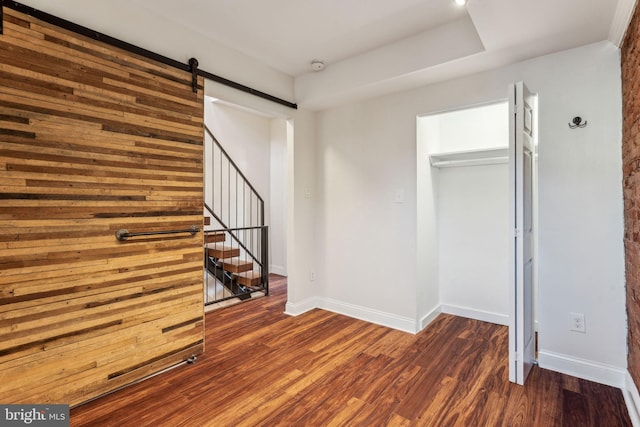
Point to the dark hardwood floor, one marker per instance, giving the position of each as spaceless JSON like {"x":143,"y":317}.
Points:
{"x":262,"y":367}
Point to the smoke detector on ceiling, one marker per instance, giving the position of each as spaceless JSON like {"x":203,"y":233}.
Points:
{"x":317,"y":65}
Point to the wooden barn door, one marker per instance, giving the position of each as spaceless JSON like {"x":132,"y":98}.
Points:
{"x":92,"y":140}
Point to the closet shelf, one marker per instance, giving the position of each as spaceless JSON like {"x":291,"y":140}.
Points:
{"x":488,"y":156}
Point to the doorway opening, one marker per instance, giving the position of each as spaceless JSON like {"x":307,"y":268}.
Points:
{"x":463,"y":211}
{"x":245,"y":173}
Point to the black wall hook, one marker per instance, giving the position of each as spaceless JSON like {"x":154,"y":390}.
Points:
{"x":577,"y":123}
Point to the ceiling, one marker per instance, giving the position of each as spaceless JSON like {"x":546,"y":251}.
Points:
{"x":370,"y":47}
{"x":288,"y":34}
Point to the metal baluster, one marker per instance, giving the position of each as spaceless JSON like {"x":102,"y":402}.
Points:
{"x":228,"y":192}
{"x":220,"y":184}
{"x":236,"y":224}
{"x":213,"y":179}
{"x":264,"y":258}
{"x":245,"y":252}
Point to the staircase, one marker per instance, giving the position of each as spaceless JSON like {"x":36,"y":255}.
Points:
{"x":236,"y":239}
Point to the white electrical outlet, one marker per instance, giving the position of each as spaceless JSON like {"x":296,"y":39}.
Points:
{"x":577,"y":322}
{"x":312,"y":276}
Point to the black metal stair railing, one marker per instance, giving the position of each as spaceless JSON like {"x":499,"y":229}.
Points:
{"x":236,"y":272}
{"x":237,"y":262}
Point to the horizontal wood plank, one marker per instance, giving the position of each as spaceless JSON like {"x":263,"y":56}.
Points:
{"x":94,"y":139}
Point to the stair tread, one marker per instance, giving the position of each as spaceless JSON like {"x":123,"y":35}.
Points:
{"x":236,"y":265}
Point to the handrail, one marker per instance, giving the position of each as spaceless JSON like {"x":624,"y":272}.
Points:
{"x":124,"y":234}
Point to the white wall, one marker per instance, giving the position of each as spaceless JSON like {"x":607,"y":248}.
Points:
{"x":278,"y":200}
{"x":246,"y":137}
{"x":367,"y":238}
{"x":479,"y":127}
{"x":580,"y":211}
{"x":302,"y":253}
{"x":427,"y":230}
{"x":368,"y":244}
{"x":474,"y":241}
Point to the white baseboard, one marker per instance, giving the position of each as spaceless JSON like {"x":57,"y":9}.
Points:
{"x":389,"y":320}
{"x":296,"y":309}
{"x":470,"y":313}
{"x":429,"y":317}
{"x":585,"y":369}
{"x":632,"y":399}
{"x":278,"y":269}
{"x":357,"y":312}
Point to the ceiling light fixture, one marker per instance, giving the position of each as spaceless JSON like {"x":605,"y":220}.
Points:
{"x":317,"y":65}
{"x":460,"y":2}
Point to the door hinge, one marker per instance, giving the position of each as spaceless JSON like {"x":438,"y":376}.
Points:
{"x":517,"y":232}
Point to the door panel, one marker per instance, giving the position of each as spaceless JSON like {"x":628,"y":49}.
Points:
{"x":93,"y":140}
{"x":522,"y":262}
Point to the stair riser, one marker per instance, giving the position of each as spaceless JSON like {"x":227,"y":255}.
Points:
{"x":215,"y":237}
{"x":249,"y":282}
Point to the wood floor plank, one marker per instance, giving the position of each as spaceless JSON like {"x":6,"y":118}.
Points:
{"x":264,"y":368}
{"x":603,"y":402}
{"x":575,"y":409}
{"x":347,"y":413}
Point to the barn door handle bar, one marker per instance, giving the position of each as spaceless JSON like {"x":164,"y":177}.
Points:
{"x":124,"y":234}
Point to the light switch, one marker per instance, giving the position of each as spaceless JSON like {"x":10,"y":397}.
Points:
{"x":400,"y":195}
